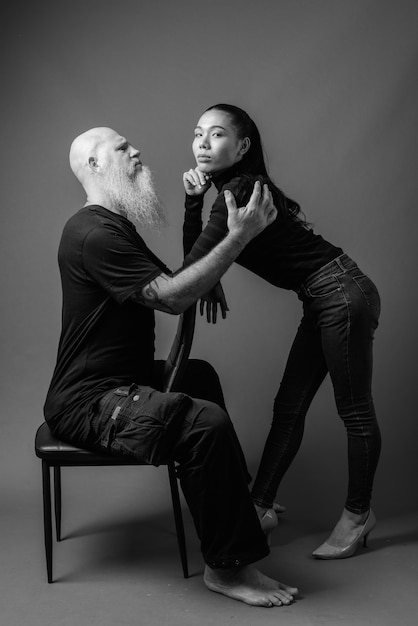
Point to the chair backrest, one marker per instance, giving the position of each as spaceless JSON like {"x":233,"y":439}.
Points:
{"x":177,"y":359}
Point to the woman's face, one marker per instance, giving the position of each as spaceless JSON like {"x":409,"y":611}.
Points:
{"x":216,"y":146}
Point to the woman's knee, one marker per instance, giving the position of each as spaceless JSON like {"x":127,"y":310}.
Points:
{"x":197,"y":368}
{"x":202,"y":381}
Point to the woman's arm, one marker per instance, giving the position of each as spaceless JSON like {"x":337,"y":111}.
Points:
{"x":196,"y":183}
{"x":192,"y":225}
{"x":197,"y":243}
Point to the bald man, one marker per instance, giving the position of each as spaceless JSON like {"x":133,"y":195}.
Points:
{"x":105,"y":390}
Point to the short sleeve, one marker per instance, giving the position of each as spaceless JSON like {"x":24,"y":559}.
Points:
{"x":118,"y":263}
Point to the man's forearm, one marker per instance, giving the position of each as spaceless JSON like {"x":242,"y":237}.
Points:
{"x":175,"y":294}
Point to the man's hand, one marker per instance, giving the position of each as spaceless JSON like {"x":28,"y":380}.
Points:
{"x":196,"y":183}
{"x":249,"y":221}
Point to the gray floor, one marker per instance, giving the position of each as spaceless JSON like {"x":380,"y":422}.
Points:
{"x":118,"y":564}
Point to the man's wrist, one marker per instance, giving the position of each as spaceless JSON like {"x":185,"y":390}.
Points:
{"x":238,"y":238}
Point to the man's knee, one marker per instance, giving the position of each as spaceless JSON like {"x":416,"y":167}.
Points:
{"x":206,"y":430}
{"x":213,"y":417}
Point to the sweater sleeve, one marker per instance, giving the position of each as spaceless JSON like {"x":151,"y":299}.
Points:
{"x":192,"y":225}
{"x":197,"y":242}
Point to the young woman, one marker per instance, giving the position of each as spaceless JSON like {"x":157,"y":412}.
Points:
{"x":341,"y":308}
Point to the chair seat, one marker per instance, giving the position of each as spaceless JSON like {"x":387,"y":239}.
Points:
{"x":51,"y":449}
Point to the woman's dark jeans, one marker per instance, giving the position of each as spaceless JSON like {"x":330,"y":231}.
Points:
{"x":341,"y":310}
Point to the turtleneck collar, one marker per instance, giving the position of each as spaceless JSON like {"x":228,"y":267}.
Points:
{"x":221,"y":178}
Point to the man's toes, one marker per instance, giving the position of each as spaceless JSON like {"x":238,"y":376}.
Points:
{"x":285,"y":597}
{"x":293,"y":591}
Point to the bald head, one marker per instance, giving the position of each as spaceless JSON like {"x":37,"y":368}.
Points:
{"x":113,"y":176}
{"x":87,"y":148}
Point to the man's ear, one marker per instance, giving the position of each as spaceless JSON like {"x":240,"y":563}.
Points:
{"x":93,"y":163}
{"x":246,"y":143}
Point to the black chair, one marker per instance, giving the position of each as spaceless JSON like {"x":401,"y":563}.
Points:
{"x":55,"y":453}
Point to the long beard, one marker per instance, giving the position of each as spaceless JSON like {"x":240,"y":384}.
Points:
{"x":136,"y":197}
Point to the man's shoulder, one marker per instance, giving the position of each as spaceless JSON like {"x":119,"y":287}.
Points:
{"x":94,"y":221}
{"x":83,"y":220}
{"x":84,"y":230}
{"x":90,"y":215}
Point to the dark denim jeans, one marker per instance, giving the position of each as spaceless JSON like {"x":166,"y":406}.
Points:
{"x":194,"y":429}
{"x":341,"y":310}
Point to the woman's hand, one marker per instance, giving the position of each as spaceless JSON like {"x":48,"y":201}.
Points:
{"x":214,"y":297}
{"x":196,"y":183}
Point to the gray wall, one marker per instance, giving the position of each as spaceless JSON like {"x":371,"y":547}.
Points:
{"x":332,"y":86}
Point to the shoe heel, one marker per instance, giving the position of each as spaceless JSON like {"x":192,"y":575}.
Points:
{"x":371,"y":522}
{"x":268,"y":523}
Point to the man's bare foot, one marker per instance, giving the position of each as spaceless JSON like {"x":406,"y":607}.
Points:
{"x":247,"y":584}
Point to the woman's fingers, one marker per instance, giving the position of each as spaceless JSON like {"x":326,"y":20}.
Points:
{"x":211,"y":301}
{"x":196,"y":181}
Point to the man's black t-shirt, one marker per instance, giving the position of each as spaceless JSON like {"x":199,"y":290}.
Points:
{"x":107,"y":339}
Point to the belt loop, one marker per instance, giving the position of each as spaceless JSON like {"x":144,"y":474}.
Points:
{"x":339,"y":262}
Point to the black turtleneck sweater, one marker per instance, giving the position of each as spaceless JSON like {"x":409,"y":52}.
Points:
{"x":284,"y":254}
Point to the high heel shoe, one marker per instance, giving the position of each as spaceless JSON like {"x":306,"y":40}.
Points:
{"x":278,"y":508}
{"x":269,"y":521}
{"x":326,"y":551}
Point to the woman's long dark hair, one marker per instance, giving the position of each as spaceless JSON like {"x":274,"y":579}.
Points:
{"x":253,"y":160}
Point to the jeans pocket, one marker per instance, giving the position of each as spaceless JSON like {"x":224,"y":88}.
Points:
{"x":323,"y":288}
{"x":141,"y":439}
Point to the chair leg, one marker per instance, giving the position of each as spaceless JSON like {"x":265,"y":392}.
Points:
{"x":57,"y":500}
{"x":46,"y":492}
{"x":178,"y":517}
